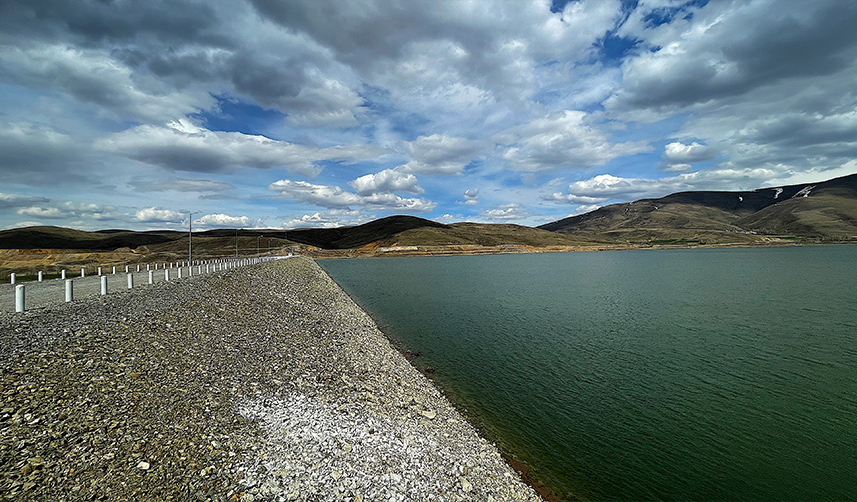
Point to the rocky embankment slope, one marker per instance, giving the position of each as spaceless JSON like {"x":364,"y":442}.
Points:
{"x":263,"y":383}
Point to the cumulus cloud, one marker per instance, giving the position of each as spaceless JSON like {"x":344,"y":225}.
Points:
{"x":504,"y":213}
{"x":679,"y":157}
{"x":386,"y":181}
{"x":156,"y":215}
{"x":606,"y":187}
{"x":328,"y":219}
{"x":728,"y":49}
{"x":561,"y":140}
{"x":471,"y":197}
{"x":41,"y":212}
{"x":184,"y":146}
{"x":224,"y":220}
{"x":11,"y":201}
{"x":439,"y":154}
{"x":334,"y":197}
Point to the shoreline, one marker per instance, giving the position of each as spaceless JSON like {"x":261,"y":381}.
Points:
{"x":262,"y":383}
{"x":474,"y":250}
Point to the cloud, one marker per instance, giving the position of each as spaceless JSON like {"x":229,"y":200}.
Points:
{"x":439,"y":154}
{"x":41,"y":212}
{"x":504,"y":213}
{"x":334,"y":197}
{"x":328,"y":219}
{"x":561,"y":140}
{"x":730,"y":49}
{"x":184,"y":146}
{"x":471,"y":197}
{"x":179,"y":185}
{"x":92,"y":75}
{"x":224,"y":220}
{"x":679,"y":157}
{"x":386,"y":181}
{"x":155,"y":215}
{"x":606,"y":187}
{"x":38,"y":154}
{"x":11,"y":201}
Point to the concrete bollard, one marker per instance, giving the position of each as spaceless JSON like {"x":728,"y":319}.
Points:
{"x":114,"y":270}
{"x":199,"y":269}
{"x":206,"y":268}
{"x":179,"y":273}
{"x":40,"y":276}
{"x":19,"y":298}
{"x":167,"y":274}
{"x":62,"y":274}
{"x":82,"y":271}
{"x":103,"y":285}
{"x":148,"y":267}
{"x":138,"y":267}
{"x":151,"y":276}
{"x":12,"y":278}
{"x":126,"y":269}
{"x":130,"y":280}
{"x":190,"y":271}
{"x":99,"y":271}
{"x":69,"y":290}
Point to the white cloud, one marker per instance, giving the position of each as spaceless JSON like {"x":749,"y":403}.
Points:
{"x":224,"y":220}
{"x":336,"y":198}
{"x":184,"y":146}
{"x":155,"y":215}
{"x":41,"y":212}
{"x":93,"y":75}
{"x":179,"y":185}
{"x":386,"y":181}
{"x":586,"y":208}
{"x":328,"y":219}
{"x":561,"y":140}
{"x":505,"y":213}
{"x":471,"y":197}
{"x":439,"y":154}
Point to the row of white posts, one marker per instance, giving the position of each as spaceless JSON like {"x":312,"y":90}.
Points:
{"x":208,"y":265}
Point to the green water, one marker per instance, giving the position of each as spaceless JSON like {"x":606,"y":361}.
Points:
{"x":707,"y":374}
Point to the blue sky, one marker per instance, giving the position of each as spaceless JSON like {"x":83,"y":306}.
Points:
{"x":270,"y":114}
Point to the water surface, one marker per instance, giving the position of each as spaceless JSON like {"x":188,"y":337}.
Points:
{"x":673,"y":374}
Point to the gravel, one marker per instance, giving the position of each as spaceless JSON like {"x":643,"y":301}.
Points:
{"x":262,"y":383}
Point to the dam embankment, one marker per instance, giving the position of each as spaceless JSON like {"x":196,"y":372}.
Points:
{"x":261,"y":383}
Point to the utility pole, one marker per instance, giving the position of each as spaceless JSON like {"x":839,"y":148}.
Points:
{"x":190,"y":238}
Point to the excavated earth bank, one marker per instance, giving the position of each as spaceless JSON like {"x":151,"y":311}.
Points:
{"x":261,"y":383}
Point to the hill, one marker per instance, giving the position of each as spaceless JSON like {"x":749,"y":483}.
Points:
{"x":824,"y":211}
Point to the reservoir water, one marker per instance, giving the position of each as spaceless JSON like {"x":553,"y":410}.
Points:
{"x":705,"y":374}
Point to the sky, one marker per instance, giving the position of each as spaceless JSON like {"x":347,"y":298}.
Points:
{"x":315,"y":113}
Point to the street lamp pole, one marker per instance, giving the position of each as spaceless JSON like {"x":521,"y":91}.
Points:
{"x":190,"y":238}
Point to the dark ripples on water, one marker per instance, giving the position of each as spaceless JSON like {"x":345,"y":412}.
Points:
{"x":683,"y":374}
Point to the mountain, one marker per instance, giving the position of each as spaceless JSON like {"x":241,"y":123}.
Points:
{"x":816,"y":211}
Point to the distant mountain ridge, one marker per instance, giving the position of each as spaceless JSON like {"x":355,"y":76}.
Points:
{"x":824,"y":210}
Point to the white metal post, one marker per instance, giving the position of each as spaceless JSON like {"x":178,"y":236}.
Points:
{"x":151,"y":276}
{"x":69,"y":290}
{"x":40,"y":276}
{"x":62,"y":274}
{"x":130,"y":280}
{"x":103,"y":285}
{"x":19,"y":298}
{"x":12,"y":278}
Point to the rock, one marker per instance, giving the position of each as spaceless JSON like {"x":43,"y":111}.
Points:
{"x":143,"y":465}
{"x":429,"y":414}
